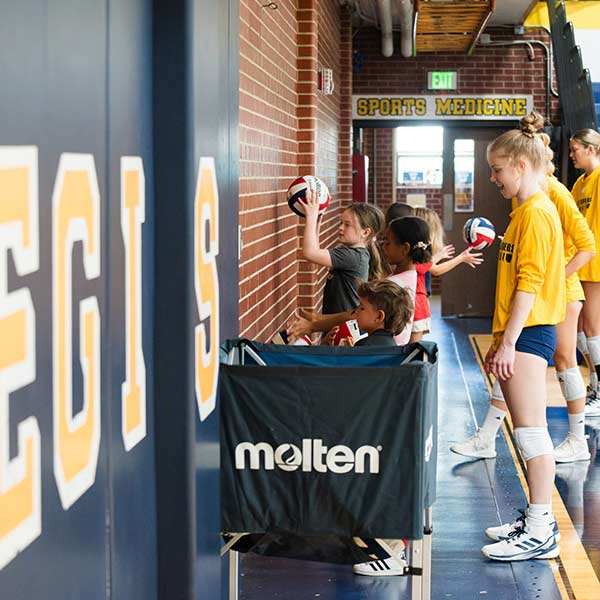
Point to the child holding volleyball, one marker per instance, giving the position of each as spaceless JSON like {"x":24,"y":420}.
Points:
{"x":530,"y":301}
{"x":405,"y":245}
{"x":355,"y":259}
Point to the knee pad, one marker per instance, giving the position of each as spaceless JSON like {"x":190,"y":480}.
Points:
{"x":593,"y":344}
{"x":533,"y":441}
{"x":497,"y":392}
{"x":571,"y":384}
{"x":582,"y":343}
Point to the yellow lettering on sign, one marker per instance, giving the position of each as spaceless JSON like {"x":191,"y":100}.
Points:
{"x":443,"y":106}
{"x":20,"y":477}
{"x":362,"y":107}
{"x":507,"y":105}
{"x":420,"y":106}
{"x":75,"y":217}
{"x":409,"y":104}
{"x":520,"y":107}
{"x":373,"y":106}
{"x":133,"y":390}
{"x":206,"y":249}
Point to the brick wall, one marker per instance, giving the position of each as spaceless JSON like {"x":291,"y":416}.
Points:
{"x":287,"y":128}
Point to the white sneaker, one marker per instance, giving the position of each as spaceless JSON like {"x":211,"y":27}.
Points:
{"x":508,"y":530}
{"x":389,"y":567}
{"x":573,"y":472}
{"x":478,"y":445}
{"x":523,"y":546}
{"x":571,"y":449}
{"x":592,"y":404}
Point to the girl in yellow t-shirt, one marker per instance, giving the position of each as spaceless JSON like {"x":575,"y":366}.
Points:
{"x":579,"y":248}
{"x":530,"y":301}
{"x":585,"y":154}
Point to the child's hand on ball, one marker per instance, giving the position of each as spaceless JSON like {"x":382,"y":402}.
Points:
{"x":311,"y":204}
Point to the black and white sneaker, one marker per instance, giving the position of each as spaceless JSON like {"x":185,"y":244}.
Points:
{"x":523,"y":545}
{"x":508,"y":530}
{"x":389,"y":567}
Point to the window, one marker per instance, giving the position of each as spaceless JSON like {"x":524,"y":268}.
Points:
{"x":419,"y":156}
{"x":464,"y":167}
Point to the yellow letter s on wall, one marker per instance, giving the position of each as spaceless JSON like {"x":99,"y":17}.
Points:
{"x":206,"y":249}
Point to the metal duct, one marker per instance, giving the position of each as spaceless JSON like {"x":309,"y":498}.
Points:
{"x":384,"y":16}
{"x":406,"y":27}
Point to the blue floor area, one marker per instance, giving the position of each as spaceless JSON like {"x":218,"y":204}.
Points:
{"x":471,"y":495}
{"x":579,"y":484}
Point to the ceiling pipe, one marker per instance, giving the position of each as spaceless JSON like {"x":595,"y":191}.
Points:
{"x":406,"y":25}
{"x":384,"y":16}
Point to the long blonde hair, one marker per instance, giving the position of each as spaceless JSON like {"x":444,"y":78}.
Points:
{"x":436,"y":228}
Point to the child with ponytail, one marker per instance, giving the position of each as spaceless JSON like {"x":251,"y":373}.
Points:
{"x":530,"y":302}
{"x":357,"y":258}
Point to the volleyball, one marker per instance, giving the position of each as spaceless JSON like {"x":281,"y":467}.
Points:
{"x":297,"y":191}
{"x":478,"y":233}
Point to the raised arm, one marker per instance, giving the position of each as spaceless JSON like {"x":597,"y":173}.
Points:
{"x":467,"y":256}
{"x":311,"y":248}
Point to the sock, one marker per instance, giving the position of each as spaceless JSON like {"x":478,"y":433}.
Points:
{"x":539,"y":517}
{"x":577,"y":425}
{"x":492,"y":421}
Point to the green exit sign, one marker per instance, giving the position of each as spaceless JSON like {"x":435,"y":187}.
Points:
{"x":442,"y":80}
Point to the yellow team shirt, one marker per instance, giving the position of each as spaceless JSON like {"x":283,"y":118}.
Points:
{"x":531,"y":259}
{"x":577,"y":235}
{"x":586,"y":193}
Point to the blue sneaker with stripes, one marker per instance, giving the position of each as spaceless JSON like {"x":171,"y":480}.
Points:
{"x":507,"y":530}
{"x":524,"y":545}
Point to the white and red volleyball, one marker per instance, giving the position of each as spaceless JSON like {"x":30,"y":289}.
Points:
{"x":479,"y":233}
{"x":297,"y":191}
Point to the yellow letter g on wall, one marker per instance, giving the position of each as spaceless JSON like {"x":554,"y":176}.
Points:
{"x":75,"y":217}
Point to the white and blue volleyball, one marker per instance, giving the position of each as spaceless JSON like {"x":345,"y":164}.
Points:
{"x":478,"y":233}
{"x":297,"y":192}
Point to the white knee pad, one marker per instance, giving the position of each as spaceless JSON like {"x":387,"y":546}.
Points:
{"x":533,"y":441}
{"x":497,"y":392}
{"x":582,"y":343}
{"x":571,"y":384}
{"x":593,"y":344}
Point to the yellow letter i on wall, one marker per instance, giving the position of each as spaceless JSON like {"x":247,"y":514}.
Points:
{"x":20,"y":478}
{"x":133,"y":206}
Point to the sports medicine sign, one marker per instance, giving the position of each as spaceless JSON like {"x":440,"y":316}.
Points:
{"x":435,"y":106}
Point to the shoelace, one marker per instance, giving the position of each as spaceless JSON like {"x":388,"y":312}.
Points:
{"x":519,"y":529}
{"x":518,"y":532}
